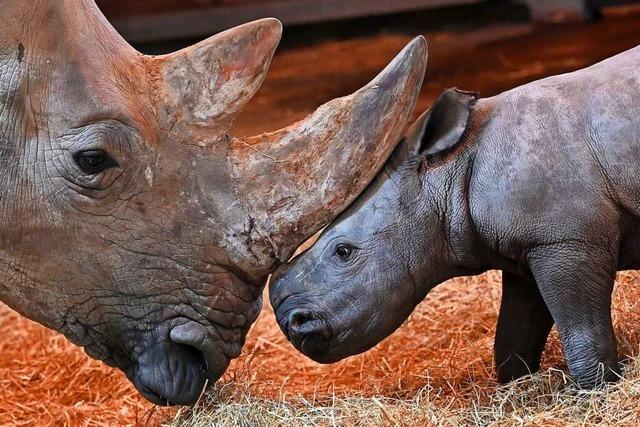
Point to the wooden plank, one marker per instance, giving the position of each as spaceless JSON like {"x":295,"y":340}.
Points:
{"x":182,"y":24}
{"x":119,"y":8}
{"x":564,"y":11}
{"x":605,"y":3}
{"x":561,"y":11}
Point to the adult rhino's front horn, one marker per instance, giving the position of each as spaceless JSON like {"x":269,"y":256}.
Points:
{"x":295,"y":180}
{"x":130,"y":221}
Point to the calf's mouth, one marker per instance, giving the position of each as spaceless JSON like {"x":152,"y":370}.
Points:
{"x":308,"y":331}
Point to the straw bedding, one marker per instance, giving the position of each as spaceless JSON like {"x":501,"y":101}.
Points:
{"x":436,"y":369}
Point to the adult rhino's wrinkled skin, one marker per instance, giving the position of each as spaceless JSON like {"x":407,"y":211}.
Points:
{"x":541,"y":182}
{"x":129,"y":220}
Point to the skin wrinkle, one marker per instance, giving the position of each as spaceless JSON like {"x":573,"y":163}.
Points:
{"x":590,"y":141}
{"x":245,"y":209}
{"x":92,"y":333}
{"x":218,"y":333}
{"x":16,"y":72}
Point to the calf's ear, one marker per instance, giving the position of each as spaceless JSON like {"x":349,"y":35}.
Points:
{"x":441,"y":127}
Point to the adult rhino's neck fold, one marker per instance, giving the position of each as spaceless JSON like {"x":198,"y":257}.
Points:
{"x":18,"y":283}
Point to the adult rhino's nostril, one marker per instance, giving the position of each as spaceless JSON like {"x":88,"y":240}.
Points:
{"x":195,"y":335}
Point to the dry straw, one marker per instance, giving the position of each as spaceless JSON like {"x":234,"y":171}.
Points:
{"x":437,"y":369}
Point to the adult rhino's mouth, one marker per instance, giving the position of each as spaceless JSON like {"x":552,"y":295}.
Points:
{"x":171,"y":374}
{"x":176,"y":369}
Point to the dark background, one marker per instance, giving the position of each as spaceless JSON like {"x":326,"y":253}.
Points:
{"x":331,"y":48}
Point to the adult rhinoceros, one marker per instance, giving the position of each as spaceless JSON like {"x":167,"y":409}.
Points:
{"x":129,"y":220}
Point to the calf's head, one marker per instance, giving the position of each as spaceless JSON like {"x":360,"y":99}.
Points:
{"x":377,"y":260}
{"x":129,"y":220}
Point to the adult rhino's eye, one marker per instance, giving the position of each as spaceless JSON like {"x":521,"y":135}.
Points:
{"x":92,"y":162}
{"x":343,"y":251}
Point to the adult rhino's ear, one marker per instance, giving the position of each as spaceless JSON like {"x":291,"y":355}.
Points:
{"x":441,"y":127}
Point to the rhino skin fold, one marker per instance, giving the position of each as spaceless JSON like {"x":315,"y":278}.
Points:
{"x":130,"y":220}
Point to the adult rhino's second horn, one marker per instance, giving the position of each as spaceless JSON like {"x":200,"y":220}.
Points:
{"x":295,"y":180}
{"x":203,"y":87}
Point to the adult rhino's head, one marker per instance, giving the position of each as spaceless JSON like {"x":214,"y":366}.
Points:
{"x":129,"y":220}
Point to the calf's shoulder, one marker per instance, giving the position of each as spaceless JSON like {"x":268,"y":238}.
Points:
{"x":553,"y":158}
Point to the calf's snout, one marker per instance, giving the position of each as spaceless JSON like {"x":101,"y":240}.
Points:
{"x":306,"y":327}
{"x":303,"y":323}
{"x":307,"y":331}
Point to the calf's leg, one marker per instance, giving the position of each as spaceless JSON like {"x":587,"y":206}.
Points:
{"x":523,"y":327}
{"x":576,"y":281}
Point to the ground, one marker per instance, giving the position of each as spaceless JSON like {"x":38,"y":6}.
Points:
{"x":438,"y":367}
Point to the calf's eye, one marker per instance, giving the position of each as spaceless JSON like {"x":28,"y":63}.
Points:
{"x":343,"y":251}
{"x":92,"y":162}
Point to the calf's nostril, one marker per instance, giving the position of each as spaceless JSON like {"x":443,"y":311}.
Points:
{"x":304,"y":323}
{"x":308,"y":332}
{"x":299,"y":317}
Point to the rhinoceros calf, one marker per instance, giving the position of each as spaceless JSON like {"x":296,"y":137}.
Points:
{"x":129,"y":220}
{"x":541,"y":182}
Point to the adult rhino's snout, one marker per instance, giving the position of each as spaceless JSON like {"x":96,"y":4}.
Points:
{"x":171,"y":374}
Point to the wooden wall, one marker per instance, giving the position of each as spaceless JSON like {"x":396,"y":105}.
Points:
{"x":120,"y":8}
{"x":142,"y":21}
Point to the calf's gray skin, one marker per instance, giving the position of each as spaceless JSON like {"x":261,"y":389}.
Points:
{"x":129,"y":220}
{"x":541,"y":182}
